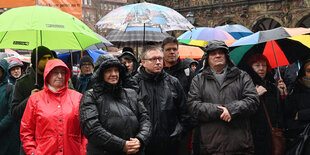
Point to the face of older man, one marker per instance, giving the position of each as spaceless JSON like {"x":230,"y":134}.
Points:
{"x":16,"y":71}
{"x":56,"y":78}
{"x":217,"y":58}
{"x":153,"y":63}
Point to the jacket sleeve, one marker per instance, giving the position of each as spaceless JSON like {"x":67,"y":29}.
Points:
{"x":145,"y":124}
{"x":184,"y":116}
{"x":18,"y":102}
{"x":249,"y":102}
{"x":27,"y":128}
{"x":92,"y":128}
{"x":6,"y":121}
{"x":202,"y":111}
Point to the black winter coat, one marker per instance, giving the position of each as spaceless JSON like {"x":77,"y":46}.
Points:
{"x":110,"y":115}
{"x":164,"y":98}
{"x":260,"y":128}
{"x":239,"y":96}
{"x":178,"y":71}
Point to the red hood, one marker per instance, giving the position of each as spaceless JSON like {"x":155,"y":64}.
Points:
{"x":50,"y":65}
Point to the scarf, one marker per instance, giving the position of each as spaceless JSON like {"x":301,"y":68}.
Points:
{"x":83,"y":82}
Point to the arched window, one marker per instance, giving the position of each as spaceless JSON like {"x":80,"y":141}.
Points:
{"x":265,"y":24}
{"x":304,"y":22}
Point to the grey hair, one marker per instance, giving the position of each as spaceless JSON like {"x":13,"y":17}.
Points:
{"x":148,"y":48}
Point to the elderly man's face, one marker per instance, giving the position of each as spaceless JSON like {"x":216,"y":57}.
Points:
{"x":111,"y":75}
{"x":217,"y":58}
{"x":16,"y":71}
{"x":56,"y":78}
{"x":153,"y":62}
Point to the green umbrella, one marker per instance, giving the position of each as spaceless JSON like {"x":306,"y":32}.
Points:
{"x":32,"y":26}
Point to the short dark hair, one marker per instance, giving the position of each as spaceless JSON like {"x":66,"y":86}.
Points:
{"x":149,"y":48}
{"x":169,"y":40}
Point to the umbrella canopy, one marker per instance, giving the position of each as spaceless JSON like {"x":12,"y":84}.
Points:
{"x":130,"y":36}
{"x":200,"y":36}
{"x":147,"y":14}
{"x":32,"y":26}
{"x":190,"y":51}
{"x":274,"y":44}
{"x":236,"y":30}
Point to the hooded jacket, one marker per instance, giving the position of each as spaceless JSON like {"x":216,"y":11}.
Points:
{"x":238,"y":94}
{"x":135,"y":62}
{"x":9,"y":142}
{"x":50,"y":124}
{"x":12,"y":65}
{"x":164,"y":98}
{"x":110,"y":114}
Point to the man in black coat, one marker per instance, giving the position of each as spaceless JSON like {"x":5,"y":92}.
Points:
{"x":164,"y":98}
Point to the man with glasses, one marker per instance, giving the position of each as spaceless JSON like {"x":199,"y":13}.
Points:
{"x":83,"y":83}
{"x":164,"y":98}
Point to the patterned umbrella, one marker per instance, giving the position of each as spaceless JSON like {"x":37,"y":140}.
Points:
{"x":130,"y":36}
{"x":147,"y":14}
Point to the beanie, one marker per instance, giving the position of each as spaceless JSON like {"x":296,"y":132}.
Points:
{"x":86,"y":58}
{"x":42,"y":51}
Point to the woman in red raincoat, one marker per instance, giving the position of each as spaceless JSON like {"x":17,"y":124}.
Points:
{"x":50,"y":124}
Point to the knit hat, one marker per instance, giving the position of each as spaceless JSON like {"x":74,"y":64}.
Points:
{"x":86,"y":58}
{"x":42,"y":51}
{"x":14,"y":64}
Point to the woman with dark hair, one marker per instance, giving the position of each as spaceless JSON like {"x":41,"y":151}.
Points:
{"x":268,"y":90}
{"x":298,"y":107}
{"x":111,"y":116}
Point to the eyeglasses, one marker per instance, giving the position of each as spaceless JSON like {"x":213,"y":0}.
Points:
{"x":153,"y":60}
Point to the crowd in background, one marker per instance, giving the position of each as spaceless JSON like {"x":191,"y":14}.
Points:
{"x":159,"y":105}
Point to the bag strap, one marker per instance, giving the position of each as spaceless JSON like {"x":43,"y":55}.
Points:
{"x":266,"y":112}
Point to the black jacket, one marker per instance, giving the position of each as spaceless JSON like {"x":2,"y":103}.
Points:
{"x":110,"y":115}
{"x":179,"y":71}
{"x":271,"y":99}
{"x":164,"y":98}
{"x":239,"y":96}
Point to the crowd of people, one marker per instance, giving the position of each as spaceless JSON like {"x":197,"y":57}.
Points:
{"x":160,"y":105}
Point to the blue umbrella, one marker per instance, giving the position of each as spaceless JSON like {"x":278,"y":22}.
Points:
{"x":236,"y":30}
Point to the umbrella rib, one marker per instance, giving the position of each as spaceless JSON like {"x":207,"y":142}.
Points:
{"x":41,"y":37}
{"x":3,"y":36}
{"x":77,"y":40}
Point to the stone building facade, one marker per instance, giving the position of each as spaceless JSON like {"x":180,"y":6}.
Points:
{"x":254,"y":14}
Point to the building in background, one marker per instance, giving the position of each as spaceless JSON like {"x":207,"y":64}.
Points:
{"x":254,"y":14}
{"x":94,"y":10}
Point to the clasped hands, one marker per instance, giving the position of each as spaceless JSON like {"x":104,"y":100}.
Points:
{"x":132,"y":146}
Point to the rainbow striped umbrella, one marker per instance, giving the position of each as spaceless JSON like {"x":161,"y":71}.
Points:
{"x":201,"y":35}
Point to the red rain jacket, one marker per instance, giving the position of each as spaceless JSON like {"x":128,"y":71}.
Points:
{"x":50,"y":124}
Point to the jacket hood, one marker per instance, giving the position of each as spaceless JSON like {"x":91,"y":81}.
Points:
{"x":101,"y":59}
{"x":14,"y":64}
{"x":188,"y":61}
{"x":50,"y":65}
{"x":108,"y":62}
{"x":301,"y":72}
{"x":213,"y":45}
{"x":4,"y":65}
{"x":129,"y":54}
